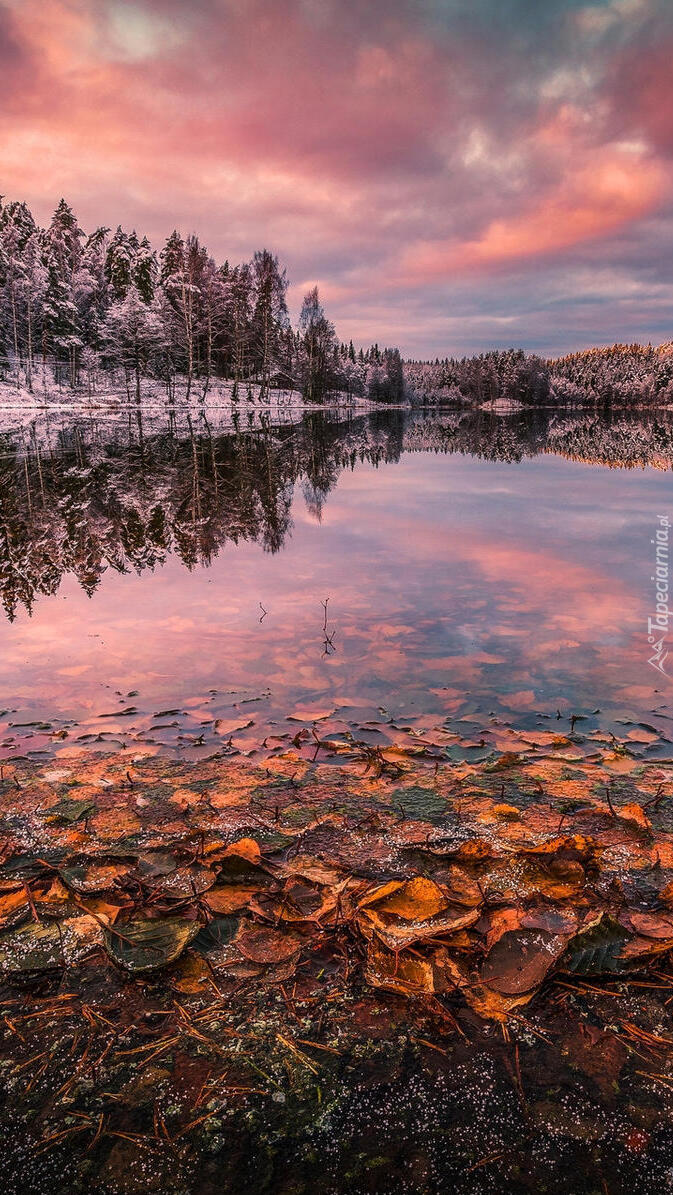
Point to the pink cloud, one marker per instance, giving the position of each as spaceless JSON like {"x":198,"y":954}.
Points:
{"x":597,"y":197}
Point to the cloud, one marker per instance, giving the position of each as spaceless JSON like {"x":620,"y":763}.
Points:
{"x":410,"y":155}
{"x":613,"y":188}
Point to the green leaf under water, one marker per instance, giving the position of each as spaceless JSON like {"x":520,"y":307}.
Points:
{"x":150,"y":945}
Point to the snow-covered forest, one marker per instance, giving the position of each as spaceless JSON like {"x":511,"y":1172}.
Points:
{"x":85,"y":312}
{"x":108,"y":313}
{"x":625,"y":374}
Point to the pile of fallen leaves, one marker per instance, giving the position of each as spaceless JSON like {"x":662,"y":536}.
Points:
{"x":468,"y":882}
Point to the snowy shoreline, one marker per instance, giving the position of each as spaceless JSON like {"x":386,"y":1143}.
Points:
{"x":20,"y":408}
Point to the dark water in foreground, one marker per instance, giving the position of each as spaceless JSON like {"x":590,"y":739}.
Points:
{"x":182,"y":583}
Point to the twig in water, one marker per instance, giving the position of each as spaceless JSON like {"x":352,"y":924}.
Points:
{"x":659,"y":796}
{"x":328,"y":639}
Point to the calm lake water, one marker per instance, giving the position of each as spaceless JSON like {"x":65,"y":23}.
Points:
{"x":183,"y":583}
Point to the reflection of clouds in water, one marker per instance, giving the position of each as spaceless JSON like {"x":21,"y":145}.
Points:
{"x":443,"y":570}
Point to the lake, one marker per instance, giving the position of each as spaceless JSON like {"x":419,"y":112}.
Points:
{"x":193,"y":583}
{"x":335,"y":791}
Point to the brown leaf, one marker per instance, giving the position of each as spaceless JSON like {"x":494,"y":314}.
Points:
{"x":415,"y":900}
{"x":520,"y":960}
{"x":597,"y":1054}
{"x":378,"y":893}
{"x":396,"y":935}
{"x":461,"y":889}
{"x":14,"y":908}
{"x":299,"y":901}
{"x":245,"y":848}
{"x":262,"y":945}
{"x":553,"y":921}
{"x":649,"y":925}
{"x":575,"y":846}
{"x":312,"y":869}
{"x":227,"y":898}
{"x":634,"y":815}
{"x":398,"y":972}
{"x":510,"y":759}
{"x":508,"y":813}
{"x":192,"y":975}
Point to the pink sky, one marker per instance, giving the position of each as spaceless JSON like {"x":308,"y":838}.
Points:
{"x":454,"y":174}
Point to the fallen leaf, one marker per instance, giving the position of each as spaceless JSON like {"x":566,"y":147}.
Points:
{"x":635,"y":815}
{"x":244,"y":848}
{"x":227,"y":898}
{"x":192,"y":975}
{"x":263,"y":945}
{"x":145,"y":945}
{"x":520,"y":960}
{"x":398,"y":972}
{"x":316,"y":714}
{"x":415,"y":900}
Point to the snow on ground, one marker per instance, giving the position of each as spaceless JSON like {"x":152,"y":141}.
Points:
{"x":19,"y":408}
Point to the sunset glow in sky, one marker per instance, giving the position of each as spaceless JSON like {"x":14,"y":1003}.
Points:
{"x":454,"y":174}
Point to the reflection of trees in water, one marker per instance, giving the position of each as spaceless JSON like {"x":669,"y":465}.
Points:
{"x":615,"y":439}
{"x":95,"y":496}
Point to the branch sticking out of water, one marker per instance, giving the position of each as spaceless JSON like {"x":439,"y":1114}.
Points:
{"x":328,"y":638}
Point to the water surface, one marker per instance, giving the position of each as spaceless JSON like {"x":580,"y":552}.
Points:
{"x":175,"y":582}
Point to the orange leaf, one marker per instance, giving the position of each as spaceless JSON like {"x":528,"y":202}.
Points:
{"x":245,"y":848}
{"x":229,"y":897}
{"x":399,"y":972}
{"x":416,"y":900}
{"x":635,"y":815}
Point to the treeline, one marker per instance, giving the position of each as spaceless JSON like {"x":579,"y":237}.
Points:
{"x":511,"y":375}
{"x":107,"y":308}
{"x":621,"y":374}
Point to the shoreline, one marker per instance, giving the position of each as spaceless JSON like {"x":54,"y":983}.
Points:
{"x":215,"y":973}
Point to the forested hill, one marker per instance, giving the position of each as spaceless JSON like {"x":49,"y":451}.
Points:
{"x":86,"y":311}
{"x":630,"y":374}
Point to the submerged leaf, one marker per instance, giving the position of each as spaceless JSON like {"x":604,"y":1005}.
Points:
{"x":416,"y":900}
{"x":520,"y":959}
{"x":597,"y":949}
{"x":262,"y":945}
{"x":229,"y":897}
{"x":419,"y":804}
{"x":148,"y":945}
{"x":218,"y":933}
{"x":398,"y":972}
{"x":68,"y":810}
{"x":43,"y":946}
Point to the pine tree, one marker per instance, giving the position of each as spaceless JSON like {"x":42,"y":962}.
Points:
{"x":134,"y":335}
{"x":91,"y":288}
{"x":119,"y":264}
{"x":61,"y":257}
{"x":145,"y":271}
{"x":238,"y":306}
{"x":269,"y":317}
{"x":316,"y":345}
{"x":179,"y":262}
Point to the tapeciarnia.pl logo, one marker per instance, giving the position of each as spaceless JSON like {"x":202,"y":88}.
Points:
{"x":658,"y":623}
